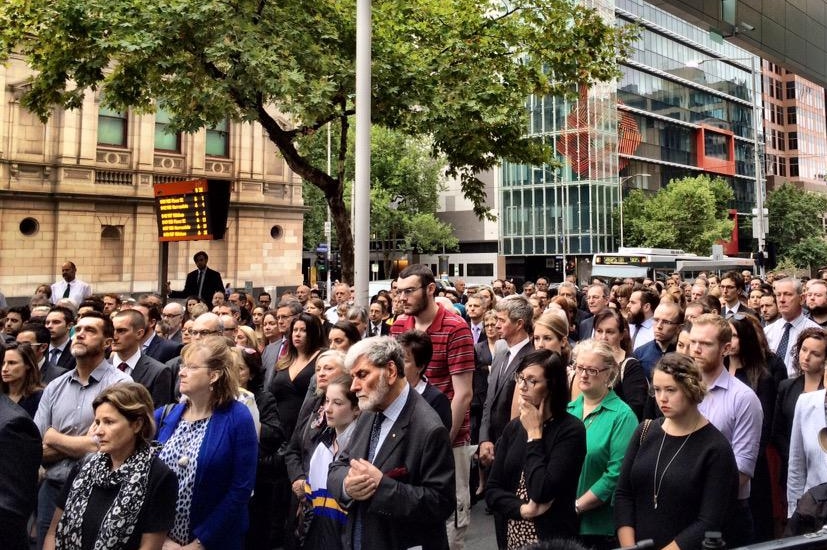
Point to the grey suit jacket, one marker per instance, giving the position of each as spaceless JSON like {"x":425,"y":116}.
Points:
{"x":268,"y":361}
{"x":496,"y":412}
{"x":417,"y":491}
{"x":156,"y":377}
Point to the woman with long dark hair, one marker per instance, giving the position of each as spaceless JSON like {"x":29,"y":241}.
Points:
{"x":747,"y":361}
{"x":533,"y":481}
{"x":294,"y":371}
{"x":21,"y":376}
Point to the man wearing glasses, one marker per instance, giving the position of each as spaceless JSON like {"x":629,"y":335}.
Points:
{"x":667,"y":323}
{"x":732,"y":287}
{"x":451,"y":370}
{"x":172,"y":317}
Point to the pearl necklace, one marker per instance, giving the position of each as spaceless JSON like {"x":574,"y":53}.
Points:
{"x":659,"y":483}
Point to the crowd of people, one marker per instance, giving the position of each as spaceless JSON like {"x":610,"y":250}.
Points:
{"x":606,"y":415}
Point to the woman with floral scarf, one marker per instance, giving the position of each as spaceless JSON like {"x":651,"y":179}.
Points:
{"x":123,"y":496}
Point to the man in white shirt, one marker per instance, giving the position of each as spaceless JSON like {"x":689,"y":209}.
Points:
{"x":783,"y":333}
{"x":642,"y":306}
{"x":70,"y":286}
{"x":475,"y":311}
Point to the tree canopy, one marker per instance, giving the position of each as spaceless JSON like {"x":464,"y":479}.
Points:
{"x":457,"y":71}
{"x":689,"y":213}
{"x":796,"y":225}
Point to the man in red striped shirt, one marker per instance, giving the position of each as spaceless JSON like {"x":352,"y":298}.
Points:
{"x":451,"y":371}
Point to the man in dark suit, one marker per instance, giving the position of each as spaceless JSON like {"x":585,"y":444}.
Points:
{"x":19,"y":463}
{"x":59,"y":322}
{"x":514,"y":323}
{"x":397,"y":475}
{"x":376,"y":320}
{"x":202,"y":282}
{"x":153,"y":345}
{"x":38,"y":336}
{"x":597,"y":298}
{"x":732,"y":288}
{"x":476,"y":313}
{"x":127,"y":357}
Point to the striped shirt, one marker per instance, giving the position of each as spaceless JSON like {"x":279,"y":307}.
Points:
{"x":453,"y":355}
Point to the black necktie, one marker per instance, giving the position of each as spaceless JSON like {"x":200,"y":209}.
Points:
{"x":200,"y":281}
{"x":637,"y":326}
{"x":781,"y":352}
{"x":66,"y":292}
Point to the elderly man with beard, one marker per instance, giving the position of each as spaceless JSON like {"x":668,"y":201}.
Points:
{"x":397,"y":476}
{"x":65,"y":413}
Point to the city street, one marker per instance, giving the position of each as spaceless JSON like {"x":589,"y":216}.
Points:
{"x":481,"y":534}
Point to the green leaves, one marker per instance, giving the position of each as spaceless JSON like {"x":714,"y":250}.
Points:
{"x":689,"y":213}
{"x":455,"y":72}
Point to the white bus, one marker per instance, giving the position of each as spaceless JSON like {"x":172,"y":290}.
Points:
{"x":658,"y":263}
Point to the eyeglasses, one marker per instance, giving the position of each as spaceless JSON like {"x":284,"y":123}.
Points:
{"x":523,"y":381}
{"x":184,"y":367}
{"x":591,"y":371}
{"x":664,"y":322}
{"x":408,"y":291}
{"x":202,"y":332}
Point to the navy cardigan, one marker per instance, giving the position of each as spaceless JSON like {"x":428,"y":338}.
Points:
{"x":225,"y":477}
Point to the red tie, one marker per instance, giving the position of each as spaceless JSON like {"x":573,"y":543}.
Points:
{"x":123,"y":366}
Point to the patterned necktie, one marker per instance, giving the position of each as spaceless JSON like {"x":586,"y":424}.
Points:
{"x":781,"y":352}
{"x":375,"y":429}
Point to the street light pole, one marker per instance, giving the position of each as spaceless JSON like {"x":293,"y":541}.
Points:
{"x":620,"y":183}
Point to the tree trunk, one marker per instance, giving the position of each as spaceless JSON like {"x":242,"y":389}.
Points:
{"x":331,"y":187}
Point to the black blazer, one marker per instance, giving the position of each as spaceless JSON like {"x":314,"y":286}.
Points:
{"x":440,"y":403}
{"x":65,"y":360}
{"x":417,"y":491}
{"x":497,"y":410}
{"x":156,"y":377}
{"x":162,"y":350}
{"x":19,"y":462}
{"x":212,"y":284}
{"x":585,"y":328}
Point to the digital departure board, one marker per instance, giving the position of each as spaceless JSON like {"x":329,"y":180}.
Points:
{"x":183,"y":211}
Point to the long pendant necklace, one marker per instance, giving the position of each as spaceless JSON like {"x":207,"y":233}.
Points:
{"x":657,"y":483}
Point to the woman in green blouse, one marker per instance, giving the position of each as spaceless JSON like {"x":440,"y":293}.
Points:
{"x":610,"y":424}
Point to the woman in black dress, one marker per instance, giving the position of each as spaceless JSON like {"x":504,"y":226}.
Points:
{"x":679,"y":478}
{"x":123,"y":496}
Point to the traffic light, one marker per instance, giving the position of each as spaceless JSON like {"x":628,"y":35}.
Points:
{"x":321,"y":265}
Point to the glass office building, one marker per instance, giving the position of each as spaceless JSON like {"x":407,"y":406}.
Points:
{"x":683,"y":106}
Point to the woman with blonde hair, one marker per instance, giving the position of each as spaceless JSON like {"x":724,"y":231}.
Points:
{"x":247,"y":338}
{"x":610,"y":424}
{"x":210,"y":443}
{"x":123,"y":496}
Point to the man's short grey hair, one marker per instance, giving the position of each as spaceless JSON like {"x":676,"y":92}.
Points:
{"x":357,"y":312}
{"x":517,"y":307}
{"x":179,"y":309}
{"x":294,"y":305}
{"x":603,"y":287}
{"x":379,"y":351}
{"x":566,"y":284}
{"x":797,"y":284}
{"x":211,"y":319}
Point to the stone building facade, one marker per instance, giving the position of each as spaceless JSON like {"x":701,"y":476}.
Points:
{"x":80,"y":188}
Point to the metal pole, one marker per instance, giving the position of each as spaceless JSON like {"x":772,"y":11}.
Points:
{"x":327,"y":228}
{"x":759,"y":188}
{"x":620,"y":202}
{"x":361,"y":203}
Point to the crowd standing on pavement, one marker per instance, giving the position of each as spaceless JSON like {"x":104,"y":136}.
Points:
{"x":620,"y":411}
